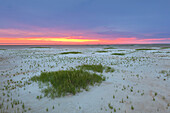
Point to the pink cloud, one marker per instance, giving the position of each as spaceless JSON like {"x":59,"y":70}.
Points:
{"x":70,"y":37}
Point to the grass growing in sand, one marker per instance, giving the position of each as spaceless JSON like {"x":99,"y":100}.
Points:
{"x":109,"y":69}
{"x":95,"y":68}
{"x":165,"y":72}
{"x":118,"y":54}
{"x":144,"y":49}
{"x":73,"y":52}
{"x":67,"y":81}
{"x":165,"y":47}
{"x":109,"y":105}
{"x":101,"y":51}
{"x":110,"y":48}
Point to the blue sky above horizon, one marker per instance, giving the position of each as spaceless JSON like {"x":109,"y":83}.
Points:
{"x":101,"y":19}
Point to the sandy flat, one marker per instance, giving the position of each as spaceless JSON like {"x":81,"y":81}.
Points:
{"x":137,"y":84}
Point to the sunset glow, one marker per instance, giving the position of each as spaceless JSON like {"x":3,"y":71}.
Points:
{"x":83,"y":23}
{"x":72,"y":41}
{"x":67,"y":39}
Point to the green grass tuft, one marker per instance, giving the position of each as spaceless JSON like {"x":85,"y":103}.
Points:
{"x":144,"y":49}
{"x":109,"y":105}
{"x":71,"y":52}
{"x":118,"y":54}
{"x":165,"y":47}
{"x":101,"y":51}
{"x":95,"y":68}
{"x":110,"y":48}
{"x":67,"y":82}
{"x":109,"y":69}
{"x":132,"y":108}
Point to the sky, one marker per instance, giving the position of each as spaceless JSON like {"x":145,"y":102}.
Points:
{"x":84,"y":22}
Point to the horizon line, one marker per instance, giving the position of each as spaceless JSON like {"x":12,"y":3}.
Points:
{"x":84,"y":44}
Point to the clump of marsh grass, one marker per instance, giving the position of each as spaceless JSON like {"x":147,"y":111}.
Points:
{"x":23,"y":106}
{"x":165,"y":47}
{"x":95,"y":68}
{"x":72,"y":52}
{"x":144,"y":49}
{"x":132,"y":108}
{"x":110,"y":48}
{"x":163,"y":71}
{"x":109,"y":69}
{"x":118,"y":54}
{"x":101,"y":51}
{"x":67,"y":82}
{"x":46,"y":109}
{"x":109,"y":105}
{"x":167,"y":73}
{"x":29,"y":109}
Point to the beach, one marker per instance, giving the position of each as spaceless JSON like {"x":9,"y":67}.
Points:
{"x":140,"y":82}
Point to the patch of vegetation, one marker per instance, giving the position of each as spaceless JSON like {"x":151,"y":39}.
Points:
{"x":101,"y":51}
{"x":165,"y":47}
{"x":23,"y":106}
{"x":2,"y":49}
{"x":110,"y":48}
{"x":73,"y":52}
{"x":47,"y":109}
{"x":95,"y":68}
{"x":132,"y":108}
{"x":40,"y":47}
{"x":39,"y":97}
{"x":118,"y":54}
{"x":109,"y":105}
{"x":121,"y":50}
{"x":67,"y":82}
{"x":29,"y":109}
{"x":109,"y":69}
{"x":163,"y":71}
{"x":167,"y":73}
{"x":144,"y":49}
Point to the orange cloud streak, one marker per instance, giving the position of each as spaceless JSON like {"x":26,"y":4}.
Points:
{"x":32,"y":41}
{"x":59,"y":37}
{"x":75,"y":41}
{"x":67,"y":39}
